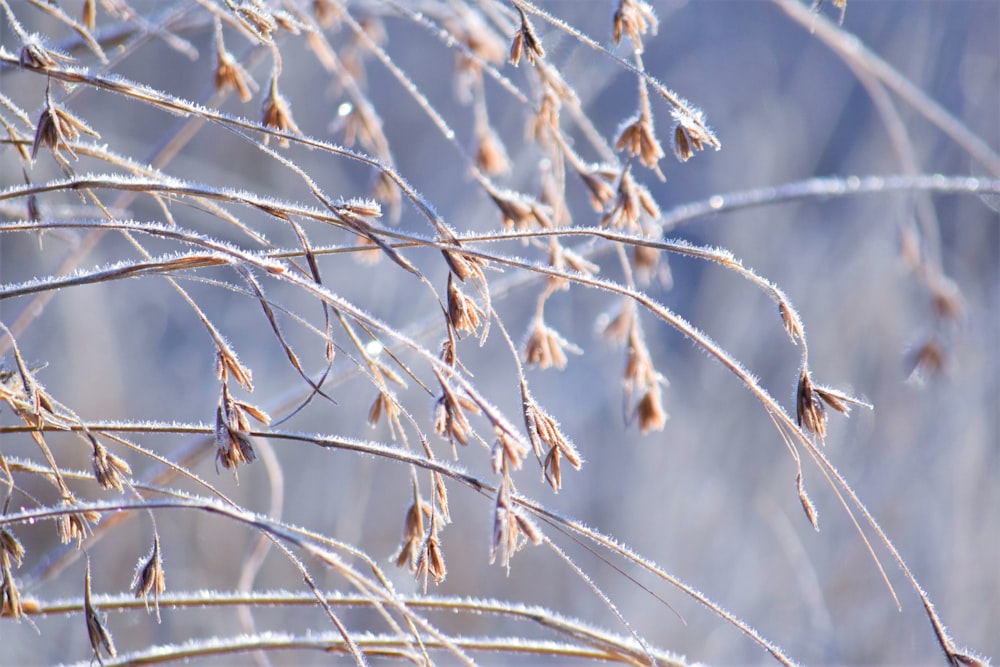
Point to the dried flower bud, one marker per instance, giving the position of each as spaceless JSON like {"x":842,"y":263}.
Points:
{"x":491,"y":156}
{"x":100,"y":638}
{"x":232,"y":438}
{"x":511,"y":529}
{"x":507,"y":538}
{"x":383,"y":402}
{"x":253,"y":411}
{"x":545,"y":348}
{"x":633,"y":18}
{"x":691,"y":134}
{"x":790,"y":318}
{"x":519,"y":211}
{"x":809,"y":411}
{"x":75,"y":525}
{"x":633,"y":200}
{"x":57,"y":129}
{"x":430,"y":561}
{"x":108,"y":468}
{"x":449,"y":414}
{"x":275,"y":113}
{"x":544,"y":123}
{"x":833,"y":399}
{"x":11,"y":551}
{"x":508,"y":451}
{"x":525,"y":41}
{"x":441,"y":497}
{"x":543,"y":429}
{"x":640,"y":374}
{"x":838,"y":400}
{"x":447,"y":353}
{"x":10,"y":547}
{"x":413,"y":534}
{"x":598,"y":180}
{"x":645,"y":262}
{"x":649,"y":410}
{"x":234,"y":448}
{"x":226,"y":364}
{"x":464,"y":265}
{"x":807,"y":505}
{"x":256,"y":19}
{"x":149,"y":577}
{"x":552,"y":470}
{"x":10,"y":598}
{"x":616,"y":329}
{"x":463,"y":313}
{"x":230,"y":74}
{"x":528,"y":528}
{"x":682,"y":146}
{"x":35,"y":54}
{"x":636,"y":137}
{"x":812,"y":400}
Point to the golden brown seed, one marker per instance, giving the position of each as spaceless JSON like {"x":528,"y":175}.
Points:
{"x":525,"y":42}
{"x":633,"y":18}
{"x":275,"y":113}
{"x":491,"y":156}
{"x":809,"y":411}
{"x":256,"y":19}
{"x":637,"y":137}
{"x":230,"y":74}
{"x":650,"y":412}
{"x":149,"y":577}
{"x":463,"y":313}
{"x":100,"y":638}
{"x":107,"y":467}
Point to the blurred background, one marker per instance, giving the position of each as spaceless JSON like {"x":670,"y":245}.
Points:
{"x":711,"y":497}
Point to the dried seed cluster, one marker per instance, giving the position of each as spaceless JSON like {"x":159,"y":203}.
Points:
{"x":534,"y":205}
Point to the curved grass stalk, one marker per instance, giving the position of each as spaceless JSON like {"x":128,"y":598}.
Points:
{"x":256,"y":261}
{"x":850,"y":48}
{"x":310,"y":542}
{"x":616,"y":648}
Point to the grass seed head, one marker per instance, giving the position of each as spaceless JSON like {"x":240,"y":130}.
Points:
{"x":463,"y":313}
{"x":108,"y":468}
{"x":75,"y":525}
{"x":97,"y":632}
{"x":258,"y":21}
{"x":229,"y":74}
{"x":649,"y":410}
{"x":636,"y":137}
{"x":525,"y":42}
{"x":491,"y":156}
{"x":809,"y":408}
{"x":149,"y":578}
{"x":275,"y":113}
{"x":633,"y":18}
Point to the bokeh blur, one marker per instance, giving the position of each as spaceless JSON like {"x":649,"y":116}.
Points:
{"x":712,"y":497}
